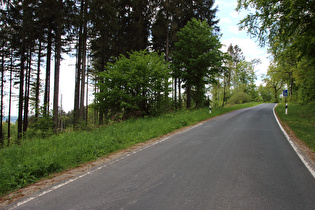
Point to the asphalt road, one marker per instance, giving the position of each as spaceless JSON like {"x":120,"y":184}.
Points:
{"x":240,"y":160}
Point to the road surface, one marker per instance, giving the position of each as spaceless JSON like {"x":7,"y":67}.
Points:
{"x":240,"y":160}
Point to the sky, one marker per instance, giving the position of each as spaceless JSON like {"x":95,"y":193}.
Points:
{"x":228,"y":24}
{"x":229,"y":19}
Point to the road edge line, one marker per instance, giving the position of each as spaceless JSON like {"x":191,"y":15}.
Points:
{"x":301,"y":155}
{"x":97,"y":168}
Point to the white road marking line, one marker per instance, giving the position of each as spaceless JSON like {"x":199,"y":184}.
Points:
{"x":296,"y":149}
{"x":101,"y":167}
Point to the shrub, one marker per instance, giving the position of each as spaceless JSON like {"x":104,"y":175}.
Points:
{"x":239,"y":98}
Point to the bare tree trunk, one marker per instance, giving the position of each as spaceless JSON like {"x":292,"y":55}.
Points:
{"x":21,"y":92}
{"x":223,"y":89}
{"x":78,"y":78}
{"x":82,"y":108}
{"x":101,"y":112}
{"x":87,"y":98}
{"x":10,"y":97}
{"x":188,"y":91}
{"x":38,"y":81}
{"x":77,"y":89}
{"x":47,"y":81}
{"x":291,"y":85}
{"x":1,"y":105}
{"x":27,"y":91}
{"x":87,"y":94}
{"x":175,"y":92}
{"x":57,"y":70}
{"x":167,"y":31}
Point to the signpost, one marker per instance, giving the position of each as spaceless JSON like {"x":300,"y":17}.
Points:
{"x":285,"y":95}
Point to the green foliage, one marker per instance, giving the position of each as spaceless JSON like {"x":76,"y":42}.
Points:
{"x":281,"y":24}
{"x":197,"y":58}
{"x":173,"y":15}
{"x":305,"y":78}
{"x":288,"y":27}
{"x":134,"y":86}
{"x":274,"y":80}
{"x":265,"y":93}
{"x":301,"y":119}
{"x":239,"y":97}
{"x":40,"y":127}
{"x":13,"y":133}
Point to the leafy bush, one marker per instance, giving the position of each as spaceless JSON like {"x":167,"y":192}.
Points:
{"x":239,"y":98}
{"x":134,"y":86}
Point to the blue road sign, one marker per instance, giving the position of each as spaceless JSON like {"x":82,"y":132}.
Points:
{"x":285,"y":93}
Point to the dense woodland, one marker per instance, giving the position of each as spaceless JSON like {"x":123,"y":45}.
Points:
{"x":147,"y":57}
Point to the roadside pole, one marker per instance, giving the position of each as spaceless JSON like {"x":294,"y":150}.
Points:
{"x":285,"y":95}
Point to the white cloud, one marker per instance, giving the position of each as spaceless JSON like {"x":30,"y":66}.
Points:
{"x":234,"y":14}
{"x":225,"y":4}
{"x":225,"y":20}
{"x":233,"y":29}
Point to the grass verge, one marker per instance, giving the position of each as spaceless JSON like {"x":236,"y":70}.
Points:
{"x":38,"y":158}
{"x":301,"y":119}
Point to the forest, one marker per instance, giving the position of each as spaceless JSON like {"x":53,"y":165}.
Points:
{"x":147,"y":57}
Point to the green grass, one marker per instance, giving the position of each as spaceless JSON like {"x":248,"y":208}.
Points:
{"x":301,"y":119}
{"x":38,"y":158}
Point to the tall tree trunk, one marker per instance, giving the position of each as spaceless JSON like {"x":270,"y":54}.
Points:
{"x":37,"y":87}
{"x":57,"y":70}
{"x":223,"y":89}
{"x":21,"y":92}
{"x":175,"y":92}
{"x":10,"y":97}
{"x":27,"y":91}
{"x":1,"y":105}
{"x":83,"y":71}
{"x":95,"y":110}
{"x":167,"y":31}
{"x":101,"y":111}
{"x":47,"y":80}
{"x":77,"y":81}
{"x":87,"y":98}
{"x":199,"y":95}
{"x":291,"y":84}
{"x":188,"y":91}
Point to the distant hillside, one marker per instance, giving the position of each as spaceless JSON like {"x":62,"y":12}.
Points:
{"x":13,"y":119}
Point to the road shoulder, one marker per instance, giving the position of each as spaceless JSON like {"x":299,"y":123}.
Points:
{"x":306,"y":155}
{"x":69,"y":174}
